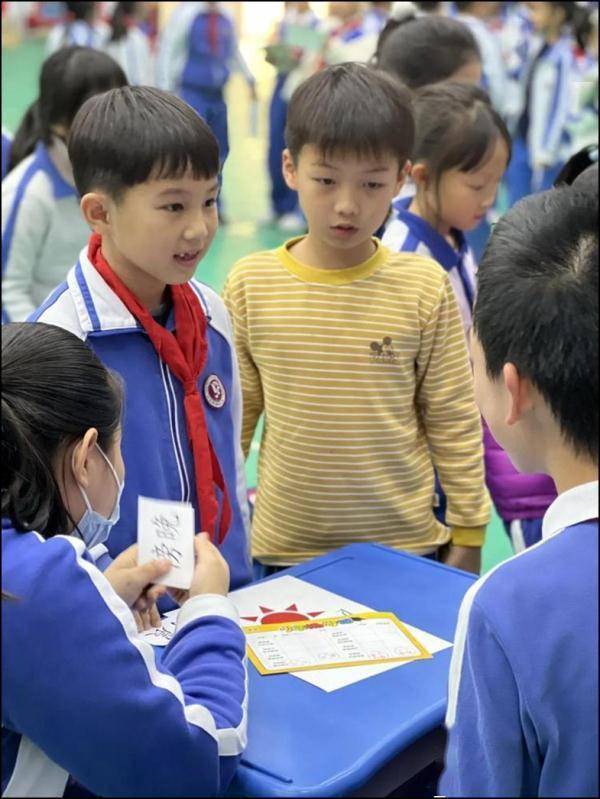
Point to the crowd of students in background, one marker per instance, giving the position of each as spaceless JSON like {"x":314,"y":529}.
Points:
{"x":399,"y":133}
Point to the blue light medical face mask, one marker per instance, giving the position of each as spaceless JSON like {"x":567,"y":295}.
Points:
{"x":94,"y":527}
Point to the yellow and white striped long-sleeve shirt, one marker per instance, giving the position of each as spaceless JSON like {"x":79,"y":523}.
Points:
{"x":364,"y":378}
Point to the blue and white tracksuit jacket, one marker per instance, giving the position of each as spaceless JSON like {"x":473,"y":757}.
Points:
{"x":83,"y":699}
{"x":133,"y":54}
{"x":43,"y":230}
{"x":155,"y":445}
{"x":6,"y":146}
{"x":494,"y":79}
{"x":523,"y":688}
{"x":78,"y":33}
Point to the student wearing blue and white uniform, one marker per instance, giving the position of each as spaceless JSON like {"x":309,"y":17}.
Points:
{"x":129,"y":45}
{"x":6,"y":146}
{"x":476,"y":16}
{"x":132,"y":298}
{"x":85,"y":707}
{"x":376,"y":16}
{"x":523,"y":691}
{"x":42,"y":227}
{"x":541,"y":138}
{"x":81,"y":29}
{"x":284,"y":201}
{"x":197,"y":51}
{"x":455,"y":173}
{"x":350,"y":38}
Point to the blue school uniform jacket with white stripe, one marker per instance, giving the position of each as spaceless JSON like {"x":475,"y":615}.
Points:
{"x":523,"y":692}
{"x":155,"y":444}
{"x":552,"y":77}
{"x":133,"y":54}
{"x":83,"y":696}
{"x":407,"y":232}
{"x":42,"y":230}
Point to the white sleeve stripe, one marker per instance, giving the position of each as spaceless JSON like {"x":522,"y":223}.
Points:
{"x":195,"y":714}
{"x":206,"y":605}
{"x":460,"y":637}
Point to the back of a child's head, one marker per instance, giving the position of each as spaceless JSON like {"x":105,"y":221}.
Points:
{"x":421,"y":50}
{"x":537,"y":306}
{"x":456,"y":127}
{"x":68,"y":78}
{"x":351,"y":109}
{"x":130,"y":135}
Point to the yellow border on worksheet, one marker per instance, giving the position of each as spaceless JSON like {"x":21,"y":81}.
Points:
{"x":333,"y":621}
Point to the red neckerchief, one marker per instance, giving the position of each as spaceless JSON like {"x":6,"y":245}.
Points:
{"x":184,"y":352}
{"x":213,"y":31}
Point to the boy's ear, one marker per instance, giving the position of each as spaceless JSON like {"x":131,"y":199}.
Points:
{"x":288,"y":169}
{"x":520,"y":393}
{"x":94,"y":207}
{"x":402,"y":175}
{"x":420,"y":175}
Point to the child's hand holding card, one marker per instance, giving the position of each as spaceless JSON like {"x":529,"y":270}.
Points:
{"x":166,"y":530}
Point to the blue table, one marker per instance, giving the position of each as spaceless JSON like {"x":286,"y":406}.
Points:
{"x":371,"y":736}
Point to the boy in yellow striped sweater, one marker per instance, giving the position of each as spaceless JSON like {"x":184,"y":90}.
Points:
{"x":355,"y":354}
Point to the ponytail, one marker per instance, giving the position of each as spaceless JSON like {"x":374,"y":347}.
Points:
{"x":68,"y":77}
{"x":54,"y":389}
{"x":401,"y":13}
{"x":27,"y":136}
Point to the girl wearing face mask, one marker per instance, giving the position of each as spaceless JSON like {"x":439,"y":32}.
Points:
{"x":43,"y":230}
{"x":84,"y":703}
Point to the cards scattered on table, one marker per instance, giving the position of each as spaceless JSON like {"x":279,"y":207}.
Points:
{"x":166,"y":530}
{"x":327,"y":643}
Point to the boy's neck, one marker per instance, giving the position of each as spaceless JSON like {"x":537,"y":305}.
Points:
{"x":149,"y":291}
{"x":314,"y":252}
{"x":569,"y":470}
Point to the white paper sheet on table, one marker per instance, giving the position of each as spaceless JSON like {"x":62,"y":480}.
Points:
{"x":289,"y":594}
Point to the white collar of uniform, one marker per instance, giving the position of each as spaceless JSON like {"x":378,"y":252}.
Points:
{"x":572,"y":507}
{"x":98,"y":307}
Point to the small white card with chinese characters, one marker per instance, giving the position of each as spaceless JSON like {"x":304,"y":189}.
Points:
{"x":166,"y":530}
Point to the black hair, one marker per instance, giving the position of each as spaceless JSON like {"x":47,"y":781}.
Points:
{"x":456,"y":127}
{"x":118,"y":23}
{"x":81,"y":10}
{"x":420,"y":50}
{"x":579,"y":19}
{"x":54,"y":388}
{"x":351,"y":108}
{"x":428,"y":7}
{"x":537,"y":305}
{"x":576,"y":164}
{"x":169,"y":136}
{"x":68,"y":78}
{"x":587,"y":181}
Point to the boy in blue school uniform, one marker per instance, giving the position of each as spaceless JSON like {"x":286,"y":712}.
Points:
{"x":131,"y":296}
{"x":523,"y":693}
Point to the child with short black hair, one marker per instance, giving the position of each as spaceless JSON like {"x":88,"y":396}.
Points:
{"x":461,"y":151}
{"x":132,"y":297}
{"x":523,"y":693}
{"x":356,"y":355}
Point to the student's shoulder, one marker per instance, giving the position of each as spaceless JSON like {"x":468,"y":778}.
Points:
{"x":259,"y":264}
{"x":531,"y":580}
{"x":213,"y":306}
{"x":63,"y":308}
{"x":27,"y":182}
{"x":418,"y":269}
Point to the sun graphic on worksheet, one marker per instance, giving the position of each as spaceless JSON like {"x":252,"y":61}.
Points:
{"x":291,"y":613}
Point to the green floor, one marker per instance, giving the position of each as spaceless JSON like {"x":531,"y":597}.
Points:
{"x":245,"y":193}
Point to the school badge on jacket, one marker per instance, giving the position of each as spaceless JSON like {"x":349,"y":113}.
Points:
{"x":214,"y":391}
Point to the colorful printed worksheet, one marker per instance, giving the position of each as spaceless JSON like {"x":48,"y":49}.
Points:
{"x":366,"y":639}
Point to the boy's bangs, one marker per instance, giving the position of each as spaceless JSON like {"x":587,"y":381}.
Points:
{"x":162,"y":154}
